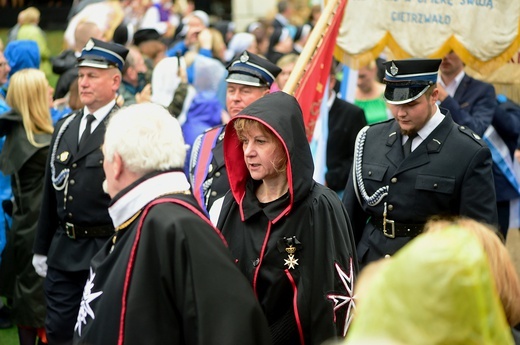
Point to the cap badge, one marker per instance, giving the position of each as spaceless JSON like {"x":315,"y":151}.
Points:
{"x":244,"y":57}
{"x":393,"y":69}
{"x":90,"y":44}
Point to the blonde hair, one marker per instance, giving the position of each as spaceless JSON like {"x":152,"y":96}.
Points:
{"x":31,"y":15}
{"x":505,"y":276}
{"x":28,"y":94}
{"x":287,"y":59}
{"x":218,"y":46}
{"x":243,"y":126}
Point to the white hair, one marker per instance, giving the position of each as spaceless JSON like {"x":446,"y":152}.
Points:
{"x":146,"y":137}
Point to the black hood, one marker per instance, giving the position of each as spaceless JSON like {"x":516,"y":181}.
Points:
{"x":281,"y":113}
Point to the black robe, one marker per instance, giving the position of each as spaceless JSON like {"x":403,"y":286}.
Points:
{"x":26,"y":165}
{"x":306,"y":297}
{"x":169,"y":278}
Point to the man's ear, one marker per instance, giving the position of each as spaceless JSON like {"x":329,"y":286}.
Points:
{"x":435,"y":95}
{"x":116,"y":81}
{"x":117,"y":165}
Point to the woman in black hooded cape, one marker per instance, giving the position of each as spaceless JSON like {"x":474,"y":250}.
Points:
{"x":296,"y":249}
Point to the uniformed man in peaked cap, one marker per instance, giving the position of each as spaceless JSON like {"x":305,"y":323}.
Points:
{"x":249,"y":78}
{"x":417,"y":165}
{"x":74,"y":220}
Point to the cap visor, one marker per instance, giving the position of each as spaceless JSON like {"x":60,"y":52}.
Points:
{"x":402,"y":95}
{"x":244,"y":80}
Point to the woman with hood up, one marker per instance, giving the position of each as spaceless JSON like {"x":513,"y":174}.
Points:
{"x":290,"y":236}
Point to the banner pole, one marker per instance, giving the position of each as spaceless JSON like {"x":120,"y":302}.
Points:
{"x":310,"y":47}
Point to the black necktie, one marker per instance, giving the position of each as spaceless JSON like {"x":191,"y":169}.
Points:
{"x":407,"y":147}
{"x":86,"y":132}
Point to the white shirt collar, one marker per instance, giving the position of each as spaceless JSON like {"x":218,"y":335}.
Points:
{"x":280,"y":17}
{"x":142,"y":194}
{"x":99,"y":114}
{"x":331,"y":99}
{"x":431,"y":124}
{"x":452,"y":87}
{"x":428,"y":128}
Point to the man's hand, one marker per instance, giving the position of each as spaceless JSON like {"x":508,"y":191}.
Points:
{"x":442,"y":93}
{"x":39,"y":263}
{"x":517,"y":154}
{"x":145,"y":95}
{"x":205,"y":39}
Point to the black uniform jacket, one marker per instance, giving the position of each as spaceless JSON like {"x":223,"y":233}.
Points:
{"x":80,"y":201}
{"x":168,"y":279}
{"x":345,"y":121}
{"x":306,"y":295}
{"x":449,"y":173}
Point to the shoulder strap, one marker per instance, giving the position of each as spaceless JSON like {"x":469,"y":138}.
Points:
{"x":201,"y":163}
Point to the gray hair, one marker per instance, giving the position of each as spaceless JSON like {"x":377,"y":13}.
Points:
{"x":146,"y":137}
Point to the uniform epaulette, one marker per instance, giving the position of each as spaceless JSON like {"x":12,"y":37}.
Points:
{"x":471,"y":134}
{"x":65,"y":117}
{"x":381,"y":122}
{"x":70,"y":114}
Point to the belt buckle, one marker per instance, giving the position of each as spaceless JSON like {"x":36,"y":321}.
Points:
{"x":69,"y":229}
{"x":390,"y":234}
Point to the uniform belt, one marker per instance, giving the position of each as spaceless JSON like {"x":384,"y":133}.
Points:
{"x":74,"y":231}
{"x":394,"y":229}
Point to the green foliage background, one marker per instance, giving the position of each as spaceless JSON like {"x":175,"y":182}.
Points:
{"x":55,"y":43}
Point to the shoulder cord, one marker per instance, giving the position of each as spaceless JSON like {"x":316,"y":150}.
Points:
{"x":59,"y":182}
{"x":359,"y":185}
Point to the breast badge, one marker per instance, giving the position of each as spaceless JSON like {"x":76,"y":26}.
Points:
{"x":64,"y":156}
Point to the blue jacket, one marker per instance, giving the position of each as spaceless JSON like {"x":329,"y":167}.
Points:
{"x":473,"y":104}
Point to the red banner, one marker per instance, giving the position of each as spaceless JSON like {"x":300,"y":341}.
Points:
{"x":312,"y":85}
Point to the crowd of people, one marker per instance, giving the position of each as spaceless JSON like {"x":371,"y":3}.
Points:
{"x":182,"y":201}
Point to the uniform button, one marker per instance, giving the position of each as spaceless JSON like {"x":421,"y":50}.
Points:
{"x":256,"y":262}
{"x":462,"y":127}
{"x":214,"y":193}
{"x":387,"y":256}
{"x":72,"y":182}
{"x":74,"y":165}
{"x":70,"y":198}
{"x":369,"y":173}
{"x":69,"y":215}
{"x":210,"y":168}
{"x":101,"y":161}
{"x":390,"y":207}
{"x":393,"y":180}
{"x":435,"y":186}
{"x":217,"y":174}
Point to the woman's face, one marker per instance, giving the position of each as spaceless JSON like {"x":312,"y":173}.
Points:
{"x":263,"y":155}
{"x":282,"y":78}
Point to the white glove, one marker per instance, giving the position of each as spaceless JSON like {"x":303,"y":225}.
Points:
{"x":39,"y":263}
